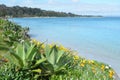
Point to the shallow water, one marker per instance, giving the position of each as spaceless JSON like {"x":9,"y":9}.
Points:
{"x":93,"y":38}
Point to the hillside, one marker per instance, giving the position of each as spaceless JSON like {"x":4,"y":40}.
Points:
{"x":17,"y":11}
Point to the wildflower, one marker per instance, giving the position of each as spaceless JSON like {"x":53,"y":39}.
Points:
{"x":90,"y":61}
{"x":102,"y":67}
{"x":38,"y":43}
{"x":63,"y":48}
{"x":82,"y":64}
{"x":106,"y":67}
{"x":43,"y":46}
{"x":50,"y":45}
{"x":34,"y":41}
{"x":84,"y":61}
{"x":111,"y":73}
{"x":76,"y":57}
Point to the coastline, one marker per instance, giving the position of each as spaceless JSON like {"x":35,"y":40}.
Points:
{"x":115,"y":75}
{"x":61,"y":17}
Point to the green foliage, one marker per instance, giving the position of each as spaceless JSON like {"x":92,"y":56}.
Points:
{"x":14,"y":33}
{"x":3,"y":46}
{"x":22,"y":63}
{"x":17,"y":11}
{"x":90,"y":71}
{"x":10,"y":35}
{"x":24,"y":55}
{"x":11,"y":72}
{"x":57,"y":60}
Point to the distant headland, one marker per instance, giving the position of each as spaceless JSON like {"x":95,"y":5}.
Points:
{"x":17,"y":11}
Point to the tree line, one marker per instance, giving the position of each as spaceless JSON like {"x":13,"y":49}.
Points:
{"x":17,"y":11}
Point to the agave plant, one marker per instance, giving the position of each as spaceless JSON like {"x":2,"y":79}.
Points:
{"x":57,"y":60}
{"x":24,"y":55}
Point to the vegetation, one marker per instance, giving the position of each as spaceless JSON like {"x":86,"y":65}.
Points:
{"x":29,"y":59}
{"x":17,"y":11}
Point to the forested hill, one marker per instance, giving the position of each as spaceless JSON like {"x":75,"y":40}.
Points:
{"x":17,"y":11}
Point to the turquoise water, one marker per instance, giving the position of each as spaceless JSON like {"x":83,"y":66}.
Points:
{"x":93,"y":38}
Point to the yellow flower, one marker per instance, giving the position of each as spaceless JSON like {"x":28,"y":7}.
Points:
{"x":82,"y":64}
{"x":63,"y":48}
{"x":111,"y":73}
{"x":76,"y":57}
{"x":38,"y":43}
{"x":102,"y":67}
{"x":90,"y":61}
{"x":34,"y":41}
{"x":84,"y":61}
{"x":43,"y":46}
{"x":50,"y":45}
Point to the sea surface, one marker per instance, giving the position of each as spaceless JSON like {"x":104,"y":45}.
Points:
{"x":93,"y":38}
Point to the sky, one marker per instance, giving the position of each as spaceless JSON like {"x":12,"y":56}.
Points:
{"x":81,"y":7}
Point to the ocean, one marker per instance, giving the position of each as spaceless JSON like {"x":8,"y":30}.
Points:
{"x":93,"y":38}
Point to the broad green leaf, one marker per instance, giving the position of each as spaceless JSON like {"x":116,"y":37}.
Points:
{"x":39,"y":62}
{"x":59,"y":55}
{"x":32,"y":57}
{"x":31,"y":52}
{"x":47,"y":50}
{"x":20,"y":61}
{"x":20,"y":51}
{"x":51,"y":57}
